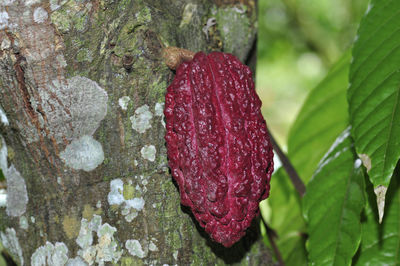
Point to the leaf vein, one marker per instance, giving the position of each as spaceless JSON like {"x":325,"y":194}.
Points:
{"x":391,"y":129}
{"x":384,"y":41}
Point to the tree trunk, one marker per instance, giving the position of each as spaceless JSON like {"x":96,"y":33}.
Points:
{"x":82,"y":87}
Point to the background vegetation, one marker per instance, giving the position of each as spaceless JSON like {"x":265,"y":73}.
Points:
{"x":331,"y":97}
{"x":298,"y":41}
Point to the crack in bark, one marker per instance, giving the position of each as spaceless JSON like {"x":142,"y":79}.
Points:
{"x":19,"y":71}
{"x":30,"y":111}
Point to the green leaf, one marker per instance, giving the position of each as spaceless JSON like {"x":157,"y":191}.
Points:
{"x":380,"y":244}
{"x":333,"y":203}
{"x":374,"y":93}
{"x":321,"y":119}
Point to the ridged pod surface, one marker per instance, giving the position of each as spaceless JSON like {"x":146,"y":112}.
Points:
{"x":218,"y":146}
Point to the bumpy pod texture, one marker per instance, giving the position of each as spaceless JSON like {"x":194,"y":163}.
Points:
{"x":218,"y":145}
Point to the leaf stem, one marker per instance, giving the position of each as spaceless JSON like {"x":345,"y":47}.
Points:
{"x":271,"y":234}
{"x":294,"y":177}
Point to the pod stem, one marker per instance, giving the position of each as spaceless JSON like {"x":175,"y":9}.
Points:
{"x":290,"y":170}
{"x":174,"y":56}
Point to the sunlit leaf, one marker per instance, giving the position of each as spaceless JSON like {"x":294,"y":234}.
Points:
{"x":321,"y":119}
{"x":374,"y":93}
{"x":333,"y":203}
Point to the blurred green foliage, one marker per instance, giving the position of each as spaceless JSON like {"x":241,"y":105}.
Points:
{"x":298,"y":41}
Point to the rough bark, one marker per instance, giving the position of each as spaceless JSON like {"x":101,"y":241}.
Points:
{"x":82,"y":87}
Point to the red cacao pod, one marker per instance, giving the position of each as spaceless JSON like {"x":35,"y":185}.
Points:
{"x":218,"y":145}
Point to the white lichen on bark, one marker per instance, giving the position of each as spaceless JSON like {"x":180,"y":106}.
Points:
{"x":84,"y":153}
{"x":148,"y":152}
{"x":17,"y":195}
{"x":40,"y":15}
{"x":130,"y":206}
{"x":50,"y":254}
{"x":77,"y":109}
{"x":23,"y":223}
{"x":123,"y":102}
{"x":141,"y":120}
{"x":3,"y":117}
{"x":135,"y":248}
{"x":105,"y":250}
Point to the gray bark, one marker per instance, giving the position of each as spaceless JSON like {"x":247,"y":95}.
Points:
{"x":82,"y":87}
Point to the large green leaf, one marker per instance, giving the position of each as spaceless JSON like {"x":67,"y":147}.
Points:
{"x":333,"y":203}
{"x":320,"y":120}
{"x":374,"y":93}
{"x":380,"y":244}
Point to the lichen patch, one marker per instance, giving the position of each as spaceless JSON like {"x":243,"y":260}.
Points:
{"x":3,"y":117}
{"x":23,"y":223}
{"x":115,"y":196}
{"x":40,"y":15}
{"x":148,"y":152}
{"x":123,"y":102}
{"x":152,"y":246}
{"x":6,"y":2}
{"x":56,"y":4}
{"x":105,"y":250}
{"x":84,"y":153}
{"x":77,"y":261}
{"x":3,"y":155}
{"x":4,"y":20}
{"x":135,"y":248}
{"x":73,"y":108}
{"x":50,"y":254}
{"x":175,"y":255}
{"x":3,"y":198}
{"x":85,"y":106}
{"x":32,"y":2}
{"x":124,"y":195}
{"x":159,"y":111}
{"x":17,"y":195}
{"x":141,"y":120}
{"x":5,"y":45}
{"x":135,"y":203}
{"x":61,"y":60}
